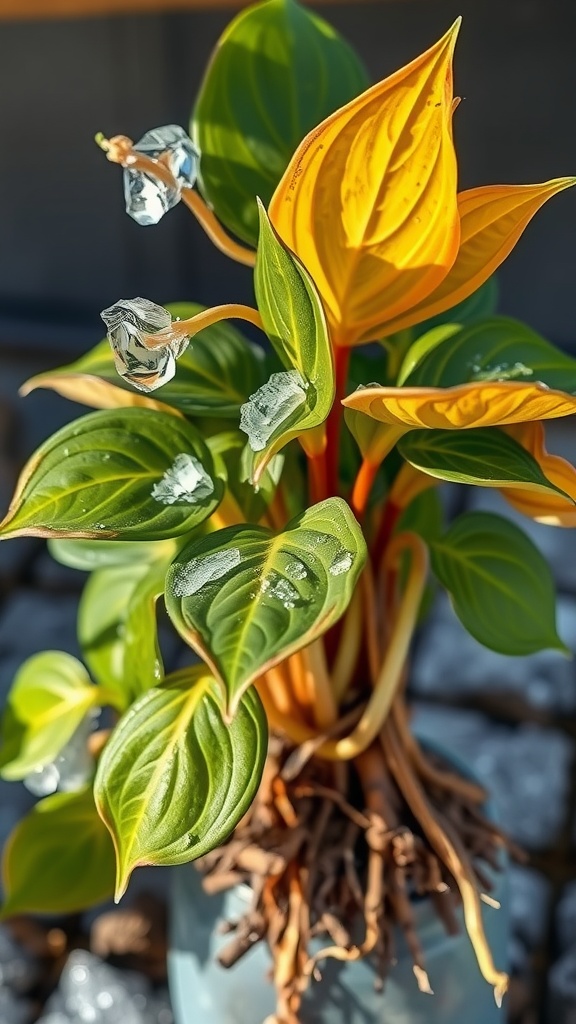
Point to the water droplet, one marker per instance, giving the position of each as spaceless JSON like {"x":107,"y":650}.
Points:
{"x":341,"y":563}
{"x":190,"y":578}
{"x":100,"y":526}
{"x":66,"y":451}
{"x":502,"y":372}
{"x":271,"y":406}
{"x":186,"y":482}
{"x":105,"y":456}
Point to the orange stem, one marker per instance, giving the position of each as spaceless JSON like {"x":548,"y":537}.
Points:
{"x":341,"y":363}
{"x":362,"y":487}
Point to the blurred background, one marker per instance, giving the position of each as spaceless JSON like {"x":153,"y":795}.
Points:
{"x":71,"y":68}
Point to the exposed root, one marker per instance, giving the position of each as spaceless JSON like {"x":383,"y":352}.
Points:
{"x":322,"y":869}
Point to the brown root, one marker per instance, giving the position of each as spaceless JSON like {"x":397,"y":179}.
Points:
{"x":329,"y":856}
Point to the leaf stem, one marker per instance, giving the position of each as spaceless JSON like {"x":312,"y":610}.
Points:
{"x":341,"y":364}
{"x":348,"y":647}
{"x":188,"y":328}
{"x":362,"y":487}
{"x":120,"y":150}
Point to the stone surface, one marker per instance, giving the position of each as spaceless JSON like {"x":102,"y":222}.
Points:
{"x":449,"y":663}
{"x":31,"y":622}
{"x":530,"y":895}
{"x":526,"y":769}
{"x":93,"y":992}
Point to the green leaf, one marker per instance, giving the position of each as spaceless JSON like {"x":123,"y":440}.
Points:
{"x":59,"y":859}
{"x":500,"y":585}
{"x":478,"y":306}
{"x":228,"y":451}
{"x":127,"y":474}
{"x":174,"y":780}
{"x":424,"y":516}
{"x":426,"y":343}
{"x":89,"y":555}
{"x":117,"y":628}
{"x":276,"y":73}
{"x":49,"y":698}
{"x":493,"y":350}
{"x":143,"y":666}
{"x":299,"y":398}
{"x":215,"y":375}
{"x":245,"y":598}
{"x":485,"y":456}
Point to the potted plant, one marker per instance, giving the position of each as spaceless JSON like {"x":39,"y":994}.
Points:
{"x":285,"y":507}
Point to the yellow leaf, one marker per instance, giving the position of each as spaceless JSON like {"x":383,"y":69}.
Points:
{"x":491,"y":222}
{"x":489,"y":404}
{"x":368,"y":202}
{"x":93,"y":391}
{"x":549,"y":508}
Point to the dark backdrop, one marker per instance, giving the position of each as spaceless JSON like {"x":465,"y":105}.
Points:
{"x":66,"y":247}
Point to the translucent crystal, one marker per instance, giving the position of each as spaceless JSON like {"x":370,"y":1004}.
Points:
{"x":341,"y":563}
{"x":147,"y":197}
{"x":272,"y":405}
{"x":190,"y":578}
{"x":131,"y":326}
{"x":70,"y":770}
{"x":186,"y":482}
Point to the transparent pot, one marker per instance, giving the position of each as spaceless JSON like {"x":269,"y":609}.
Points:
{"x":205,"y":993}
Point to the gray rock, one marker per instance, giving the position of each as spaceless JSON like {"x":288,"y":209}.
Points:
{"x":566,"y":917}
{"x":530,"y":895}
{"x":33,"y":622}
{"x":13,"y":1010}
{"x":449,"y":663}
{"x":525,"y":769}
{"x":18,"y":970}
{"x":562,"y":989}
{"x":93,"y":992}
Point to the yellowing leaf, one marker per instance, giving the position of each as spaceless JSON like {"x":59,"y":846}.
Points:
{"x":491,"y":222}
{"x":551,"y":509}
{"x":493,"y":404}
{"x":368,"y":202}
{"x":93,"y":391}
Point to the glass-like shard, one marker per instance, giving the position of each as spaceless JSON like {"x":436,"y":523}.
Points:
{"x":147,"y":197}
{"x":147,"y":362}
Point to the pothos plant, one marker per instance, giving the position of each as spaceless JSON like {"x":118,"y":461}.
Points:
{"x":286,"y":509}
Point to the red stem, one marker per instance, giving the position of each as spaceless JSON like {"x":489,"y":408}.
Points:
{"x":385,"y":531}
{"x":341,"y":362}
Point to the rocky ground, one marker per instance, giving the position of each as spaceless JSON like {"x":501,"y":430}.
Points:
{"x":513,"y":720}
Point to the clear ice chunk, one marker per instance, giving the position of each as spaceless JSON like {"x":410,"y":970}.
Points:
{"x":341,"y":563}
{"x":147,"y":197}
{"x":147,"y":363}
{"x":190,"y":578}
{"x":70,"y":770}
{"x":186,"y":482}
{"x":270,"y":406}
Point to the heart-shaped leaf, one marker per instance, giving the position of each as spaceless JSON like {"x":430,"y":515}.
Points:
{"x":59,"y":859}
{"x":500,"y":585}
{"x":500,"y":349}
{"x":245,"y":598}
{"x":49,"y":698}
{"x":216,"y":374}
{"x":299,"y":398}
{"x":485,"y":456}
{"x":277,"y":71}
{"x":128,"y":474}
{"x":174,"y":780}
